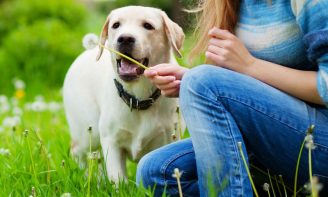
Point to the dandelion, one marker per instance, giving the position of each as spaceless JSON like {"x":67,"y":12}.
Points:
{"x":308,"y":142}
{"x":11,"y":122}
{"x":62,"y":163}
{"x":66,"y":195}
{"x":17,"y":111}
{"x":4,"y":104}
{"x":25,"y":133}
{"x":177,"y":174}
{"x":3,"y":99}
{"x":266,"y":187}
{"x":19,"y":94}
{"x":90,"y":41}
{"x":33,"y":191}
{"x":4,"y":152}
{"x":19,"y":84}
{"x":315,"y":187}
{"x":54,"y":106}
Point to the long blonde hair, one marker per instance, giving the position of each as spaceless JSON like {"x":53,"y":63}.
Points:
{"x":213,"y":13}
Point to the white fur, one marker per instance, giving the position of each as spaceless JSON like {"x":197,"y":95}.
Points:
{"x":91,"y":98}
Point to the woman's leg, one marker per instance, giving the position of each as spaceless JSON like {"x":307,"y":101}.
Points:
{"x":156,"y":168}
{"x":222,"y":108}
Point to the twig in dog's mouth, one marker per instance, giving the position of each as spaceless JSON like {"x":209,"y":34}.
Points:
{"x":124,"y":56}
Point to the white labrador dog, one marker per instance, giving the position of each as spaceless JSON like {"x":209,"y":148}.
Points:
{"x":128,"y":115}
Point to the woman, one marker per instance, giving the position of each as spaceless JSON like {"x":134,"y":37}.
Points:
{"x":267,"y":84}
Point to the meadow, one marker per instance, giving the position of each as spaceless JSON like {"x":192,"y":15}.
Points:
{"x":34,"y":135}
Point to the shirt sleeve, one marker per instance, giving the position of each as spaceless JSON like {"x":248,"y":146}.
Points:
{"x":312,"y":17}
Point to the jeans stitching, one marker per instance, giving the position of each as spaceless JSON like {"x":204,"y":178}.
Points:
{"x":171,"y":159}
{"x":236,"y":155}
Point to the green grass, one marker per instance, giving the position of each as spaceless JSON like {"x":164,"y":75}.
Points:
{"x":41,"y":159}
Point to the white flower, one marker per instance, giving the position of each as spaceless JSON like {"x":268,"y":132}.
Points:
{"x":37,"y":106}
{"x":93,"y":155}
{"x":4,"y":152}
{"x":177,"y":173}
{"x":90,"y":41}
{"x":39,"y":98}
{"x":308,"y":138}
{"x":3,"y":99}
{"x":54,"y":106}
{"x":11,"y":121}
{"x":1,"y":129}
{"x":19,"y":84}
{"x":14,"y":101}
{"x":266,"y":187}
{"x":4,"y":107}
{"x":66,"y":195}
{"x":17,"y":111}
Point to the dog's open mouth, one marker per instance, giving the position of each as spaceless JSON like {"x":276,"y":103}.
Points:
{"x":128,"y":70}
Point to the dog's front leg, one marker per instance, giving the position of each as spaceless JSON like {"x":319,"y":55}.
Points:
{"x":115,"y":160}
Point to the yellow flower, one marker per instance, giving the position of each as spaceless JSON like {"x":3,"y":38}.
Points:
{"x":19,"y":94}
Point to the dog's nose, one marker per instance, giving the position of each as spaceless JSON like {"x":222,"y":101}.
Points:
{"x":126,"y":40}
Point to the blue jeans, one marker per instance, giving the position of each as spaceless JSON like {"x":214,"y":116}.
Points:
{"x":222,"y":108}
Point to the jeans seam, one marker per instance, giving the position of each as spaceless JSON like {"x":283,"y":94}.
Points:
{"x":236,"y":155}
{"x":268,"y":115}
{"x":169,"y":161}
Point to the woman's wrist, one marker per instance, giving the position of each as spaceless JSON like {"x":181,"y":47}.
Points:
{"x":250,"y":66}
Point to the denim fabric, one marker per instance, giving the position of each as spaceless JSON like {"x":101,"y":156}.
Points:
{"x":222,"y":108}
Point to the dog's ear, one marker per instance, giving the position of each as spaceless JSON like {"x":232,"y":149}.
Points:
{"x":174,"y":33}
{"x":103,"y":37}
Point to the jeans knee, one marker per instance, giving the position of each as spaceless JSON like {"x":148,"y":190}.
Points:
{"x":148,"y":171}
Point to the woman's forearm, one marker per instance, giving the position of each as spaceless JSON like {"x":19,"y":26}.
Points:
{"x":298,"y":83}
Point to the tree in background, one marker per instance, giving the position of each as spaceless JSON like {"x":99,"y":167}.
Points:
{"x":39,"y":40}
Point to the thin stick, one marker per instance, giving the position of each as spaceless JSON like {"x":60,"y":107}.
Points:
{"x":297,"y":167}
{"x":274,"y":193}
{"x":125,"y":56}
{"x":283,"y":184}
{"x":247,"y":170}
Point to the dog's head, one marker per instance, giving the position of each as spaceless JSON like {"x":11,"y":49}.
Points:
{"x":143,"y":33}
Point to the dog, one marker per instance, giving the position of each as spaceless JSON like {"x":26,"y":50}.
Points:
{"x":126,"y":112}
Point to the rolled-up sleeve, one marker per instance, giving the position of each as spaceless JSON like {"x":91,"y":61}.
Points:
{"x":312,"y":17}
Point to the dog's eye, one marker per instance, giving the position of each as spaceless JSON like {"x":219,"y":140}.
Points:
{"x":116,"y":25}
{"x":148,"y":26}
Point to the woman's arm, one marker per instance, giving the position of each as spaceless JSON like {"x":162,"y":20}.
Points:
{"x":298,"y":83}
{"x":226,"y":50}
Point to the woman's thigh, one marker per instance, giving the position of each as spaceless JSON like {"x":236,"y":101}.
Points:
{"x":273,"y":124}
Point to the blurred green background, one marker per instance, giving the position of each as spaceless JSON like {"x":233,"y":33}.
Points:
{"x":39,"y":39}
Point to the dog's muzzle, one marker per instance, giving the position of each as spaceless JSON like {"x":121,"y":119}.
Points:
{"x":128,"y":70}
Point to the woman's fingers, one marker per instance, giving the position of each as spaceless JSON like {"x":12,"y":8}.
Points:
{"x":162,"y":80}
{"x":221,"y":34}
{"x":171,"y":92}
{"x":172,"y":85}
{"x":217,"y":50}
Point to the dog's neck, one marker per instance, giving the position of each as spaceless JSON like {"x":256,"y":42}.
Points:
{"x":141,"y":89}
{"x":134,"y":102}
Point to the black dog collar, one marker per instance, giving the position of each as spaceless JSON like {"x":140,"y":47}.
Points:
{"x":132,"y":101}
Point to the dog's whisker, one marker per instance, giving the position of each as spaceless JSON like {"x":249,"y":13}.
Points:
{"x":124,"y":56}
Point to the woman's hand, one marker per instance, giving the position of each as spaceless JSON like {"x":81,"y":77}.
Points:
{"x":226,"y":50}
{"x":166,"y":77}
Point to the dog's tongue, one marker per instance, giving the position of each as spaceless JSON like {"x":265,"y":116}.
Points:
{"x":128,"y":68}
